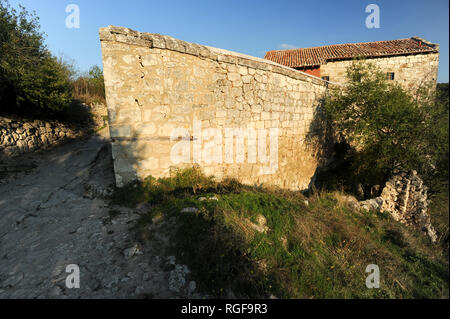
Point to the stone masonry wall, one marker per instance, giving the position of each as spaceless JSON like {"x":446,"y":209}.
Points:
{"x":410,"y":71}
{"x":157,"y":86}
{"x":19,"y":137}
{"x":99,"y":114}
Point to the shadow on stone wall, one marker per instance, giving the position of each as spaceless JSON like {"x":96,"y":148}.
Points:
{"x":323,"y":139}
{"x":320,"y":137}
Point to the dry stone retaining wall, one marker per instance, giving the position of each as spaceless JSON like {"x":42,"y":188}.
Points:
{"x":19,"y":137}
{"x":156,"y":85}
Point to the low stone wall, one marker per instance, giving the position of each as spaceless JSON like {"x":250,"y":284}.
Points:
{"x":166,"y":95}
{"x":99,"y":114}
{"x":19,"y":137}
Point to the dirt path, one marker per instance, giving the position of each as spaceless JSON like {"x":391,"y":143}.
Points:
{"x":56,"y":215}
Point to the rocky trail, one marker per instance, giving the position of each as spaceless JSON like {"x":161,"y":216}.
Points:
{"x":56,"y":213}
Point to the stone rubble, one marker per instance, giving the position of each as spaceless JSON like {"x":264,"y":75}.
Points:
{"x":405,"y":198}
{"x":260,"y":226}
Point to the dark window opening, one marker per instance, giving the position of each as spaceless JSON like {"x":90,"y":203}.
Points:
{"x":390,"y":76}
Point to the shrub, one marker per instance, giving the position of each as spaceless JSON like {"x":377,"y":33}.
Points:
{"x":386,"y":126}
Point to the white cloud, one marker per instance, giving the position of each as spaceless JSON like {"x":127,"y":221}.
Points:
{"x":286,"y":46}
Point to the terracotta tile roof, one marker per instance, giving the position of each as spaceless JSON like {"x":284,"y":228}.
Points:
{"x":320,"y":55}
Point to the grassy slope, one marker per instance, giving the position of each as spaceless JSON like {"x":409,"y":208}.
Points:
{"x":315,"y":247}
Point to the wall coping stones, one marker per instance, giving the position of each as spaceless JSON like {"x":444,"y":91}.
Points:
{"x":154,"y":40}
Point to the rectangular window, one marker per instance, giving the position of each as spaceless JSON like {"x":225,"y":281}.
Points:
{"x":390,"y":76}
{"x":326,"y":78}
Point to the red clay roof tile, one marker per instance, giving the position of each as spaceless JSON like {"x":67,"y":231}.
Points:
{"x":320,"y":55}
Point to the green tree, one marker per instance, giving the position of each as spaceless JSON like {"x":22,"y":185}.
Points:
{"x":387,"y":127}
{"x":50,"y":88}
{"x":90,"y":87}
{"x":438,"y":135}
{"x":31,"y":79}
{"x":97,"y":81}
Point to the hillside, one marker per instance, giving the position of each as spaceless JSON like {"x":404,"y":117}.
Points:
{"x":243,"y":241}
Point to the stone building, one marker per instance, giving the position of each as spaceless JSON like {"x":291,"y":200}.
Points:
{"x":174,"y":104}
{"x":411,"y":62}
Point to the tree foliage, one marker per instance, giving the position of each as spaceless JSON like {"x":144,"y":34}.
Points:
{"x":439,"y":133}
{"x":388,"y":127}
{"x":31,"y":79}
{"x":90,"y":87}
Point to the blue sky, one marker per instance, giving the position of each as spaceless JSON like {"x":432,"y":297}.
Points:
{"x":247,"y":26}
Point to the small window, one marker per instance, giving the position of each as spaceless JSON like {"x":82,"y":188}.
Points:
{"x":390,"y":76}
{"x":326,"y":78}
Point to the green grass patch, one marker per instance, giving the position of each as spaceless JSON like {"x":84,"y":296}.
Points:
{"x":257,"y":241}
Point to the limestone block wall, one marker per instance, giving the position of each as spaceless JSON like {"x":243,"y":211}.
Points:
{"x":99,"y":114}
{"x":175,"y":104}
{"x":410,"y":71}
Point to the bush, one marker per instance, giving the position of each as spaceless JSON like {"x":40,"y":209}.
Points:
{"x":386,"y":126}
